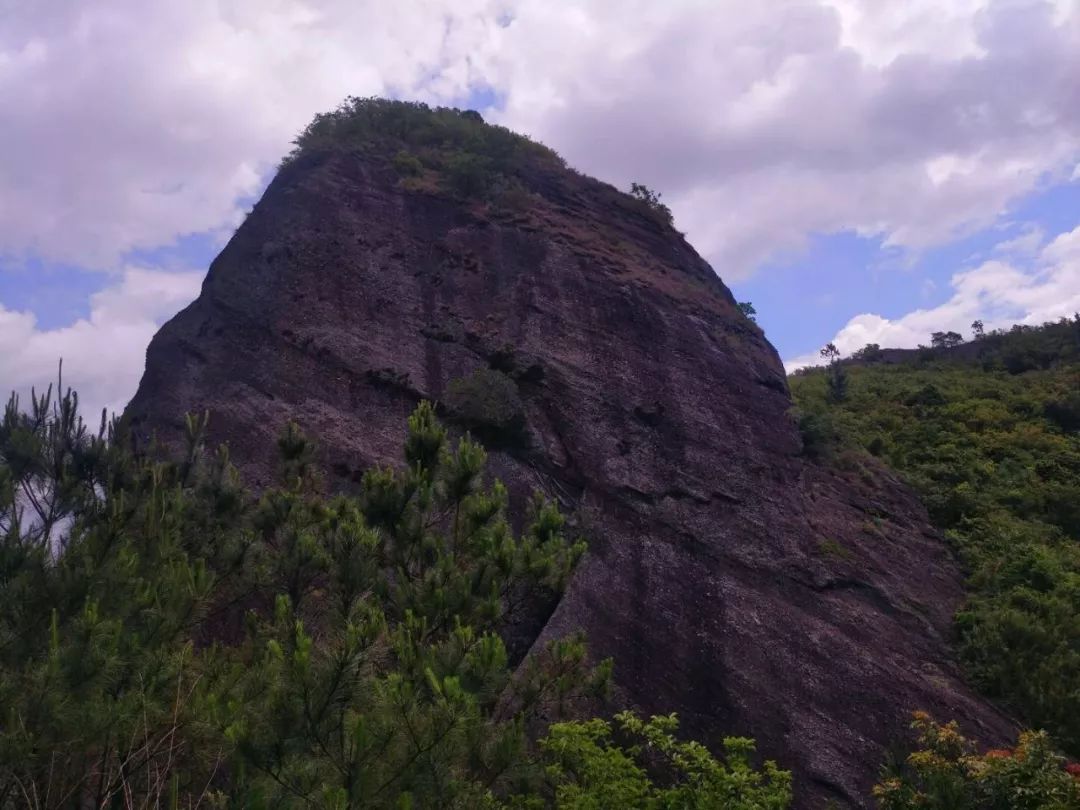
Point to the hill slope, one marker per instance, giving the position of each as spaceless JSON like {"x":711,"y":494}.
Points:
{"x":989,"y":434}
{"x":404,"y":253}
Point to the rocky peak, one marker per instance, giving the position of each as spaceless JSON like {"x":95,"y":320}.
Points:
{"x":403,"y":253}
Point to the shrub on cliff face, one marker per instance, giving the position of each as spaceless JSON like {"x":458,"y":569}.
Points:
{"x":468,"y":175}
{"x":651,"y":202}
{"x":407,"y":164}
{"x":167,"y":639}
{"x":487,"y":402}
{"x":947,"y":773}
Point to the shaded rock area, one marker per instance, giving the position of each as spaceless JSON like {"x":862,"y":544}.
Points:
{"x":732,"y":581}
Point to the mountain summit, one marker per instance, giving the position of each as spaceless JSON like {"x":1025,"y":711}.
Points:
{"x":404,"y":253}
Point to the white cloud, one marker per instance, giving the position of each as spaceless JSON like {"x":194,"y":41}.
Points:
{"x":1026,"y":243}
{"x":130,"y":123}
{"x":997,"y":292}
{"x":762,"y":123}
{"x":765,"y":123}
{"x":104,"y":353}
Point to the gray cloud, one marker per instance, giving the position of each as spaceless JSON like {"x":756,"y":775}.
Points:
{"x":128,"y":124}
{"x":103,"y":353}
{"x":762,"y":123}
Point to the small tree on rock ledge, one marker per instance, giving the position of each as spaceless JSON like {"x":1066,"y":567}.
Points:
{"x":651,"y":199}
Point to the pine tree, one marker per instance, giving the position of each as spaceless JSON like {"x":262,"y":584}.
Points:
{"x":169,"y":640}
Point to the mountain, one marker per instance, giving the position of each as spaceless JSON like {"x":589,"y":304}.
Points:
{"x":403,"y":254}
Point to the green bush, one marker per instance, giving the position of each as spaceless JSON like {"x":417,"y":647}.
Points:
{"x":407,"y":164}
{"x":947,"y":773}
{"x":651,"y":203}
{"x":487,"y":402}
{"x":468,"y":175}
{"x":587,"y":770}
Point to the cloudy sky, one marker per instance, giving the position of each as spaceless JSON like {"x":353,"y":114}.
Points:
{"x":861,"y":170}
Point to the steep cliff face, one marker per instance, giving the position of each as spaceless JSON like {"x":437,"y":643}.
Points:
{"x":733,"y":582}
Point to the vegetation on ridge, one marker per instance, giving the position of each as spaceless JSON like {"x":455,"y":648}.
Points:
{"x":453,"y":152}
{"x":169,"y":640}
{"x":433,"y":147}
{"x":989,"y":434}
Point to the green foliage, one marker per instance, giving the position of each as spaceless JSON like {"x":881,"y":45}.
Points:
{"x":651,"y":202}
{"x":407,"y":164}
{"x":467,"y":156}
{"x":487,"y":402}
{"x":747,"y":309}
{"x":944,"y":340}
{"x":588,"y":771}
{"x":996,"y":458}
{"x":1030,"y":348}
{"x":948,"y":774}
{"x":868,"y":353}
{"x":819,"y":431}
{"x":836,"y":378}
{"x":168,"y":639}
{"x":832,"y":548}
{"x":469,"y":175}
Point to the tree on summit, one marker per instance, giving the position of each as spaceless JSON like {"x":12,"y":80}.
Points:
{"x":946,"y":340}
{"x":836,"y":376}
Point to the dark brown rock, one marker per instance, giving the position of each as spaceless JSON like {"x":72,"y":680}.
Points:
{"x":733,"y":582}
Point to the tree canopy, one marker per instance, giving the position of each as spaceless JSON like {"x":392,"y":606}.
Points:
{"x":169,"y":639}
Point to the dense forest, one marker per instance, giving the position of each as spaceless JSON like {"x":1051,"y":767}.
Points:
{"x":988,"y":432}
{"x":169,"y":639}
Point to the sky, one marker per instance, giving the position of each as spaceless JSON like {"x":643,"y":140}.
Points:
{"x":860,"y":170}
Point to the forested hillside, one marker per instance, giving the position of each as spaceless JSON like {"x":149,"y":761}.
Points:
{"x":988,"y":432}
{"x":168,"y":639}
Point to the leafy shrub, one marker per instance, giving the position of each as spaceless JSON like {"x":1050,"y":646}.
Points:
{"x":487,"y":402}
{"x":510,"y":195}
{"x":819,"y":432}
{"x":868,"y":353}
{"x":1064,"y":411}
{"x":588,"y":770}
{"x":468,"y":175}
{"x":747,"y":309}
{"x":948,"y":774}
{"x":651,"y":203}
{"x":407,"y":164}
